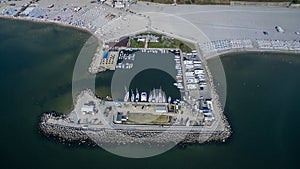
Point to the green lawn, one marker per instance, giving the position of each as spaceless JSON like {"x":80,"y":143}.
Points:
{"x":163,"y":43}
{"x":135,"y":44}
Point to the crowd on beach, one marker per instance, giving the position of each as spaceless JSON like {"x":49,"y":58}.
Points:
{"x":110,"y":23}
{"x":79,"y":14}
{"x":94,"y":16}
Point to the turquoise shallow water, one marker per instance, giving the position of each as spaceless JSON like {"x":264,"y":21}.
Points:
{"x":37,"y":61}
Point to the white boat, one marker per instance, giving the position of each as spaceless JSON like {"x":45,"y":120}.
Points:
{"x":160,"y":97}
{"x":137,"y":96}
{"x":150,"y":97}
{"x":132,"y":96}
{"x":169,"y":99}
{"x":154,"y":99}
{"x":157,"y":96}
{"x":143,"y":96}
{"x":121,"y":53}
{"x":126,"y":97}
{"x":163,"y":98}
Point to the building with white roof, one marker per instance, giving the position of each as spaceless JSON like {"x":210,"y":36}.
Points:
{"x":160,"y":108}
{"x":87,"y":108}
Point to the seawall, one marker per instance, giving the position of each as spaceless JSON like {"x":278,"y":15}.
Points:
{"x":124,"y":136}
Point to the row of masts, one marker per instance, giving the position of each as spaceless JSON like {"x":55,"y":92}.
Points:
{"x":155,"y":96}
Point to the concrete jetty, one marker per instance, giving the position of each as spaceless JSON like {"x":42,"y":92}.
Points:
{"x":72,"y":134}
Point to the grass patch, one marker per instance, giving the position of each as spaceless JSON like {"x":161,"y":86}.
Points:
{"x":183,"y":46}
{"x":147,"y":118}
{"x":135,"y":44}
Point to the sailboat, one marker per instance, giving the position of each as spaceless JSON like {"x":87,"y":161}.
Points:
{"x":150,"y":97}
{"x":126,"y":97}
{"x":137,"y":96}
{"x":160,"y":99}
{"x":132,"y":96}
{"x":154,"y":96}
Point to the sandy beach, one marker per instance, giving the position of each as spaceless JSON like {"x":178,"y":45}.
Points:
{"x":193,"y":23}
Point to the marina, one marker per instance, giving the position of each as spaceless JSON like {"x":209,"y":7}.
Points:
{"x":199,"y":100}
{"x":190,"y":80}
{"x":138,"y":110}
{"x":43,"y":148}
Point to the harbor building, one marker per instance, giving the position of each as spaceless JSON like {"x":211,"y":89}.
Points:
{"x":161,"y":108}
{"x":85,"y":109}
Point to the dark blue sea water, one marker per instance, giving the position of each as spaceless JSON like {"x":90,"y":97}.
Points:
{"x":37,"y":60}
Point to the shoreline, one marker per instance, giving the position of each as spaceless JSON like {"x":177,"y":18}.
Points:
{"x":100,"y":33}
{"x":207,"y":56}
{"x":49,"y":22}
{"x":228,"y":52}
{"x":75,"y":134}
{"x":234,"y":3}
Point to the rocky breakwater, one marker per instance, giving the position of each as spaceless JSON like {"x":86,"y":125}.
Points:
{"x":155,"y":137}
{"x":63,"y":133}
{"x":225,"y":131}
{"x":66,"y":133}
